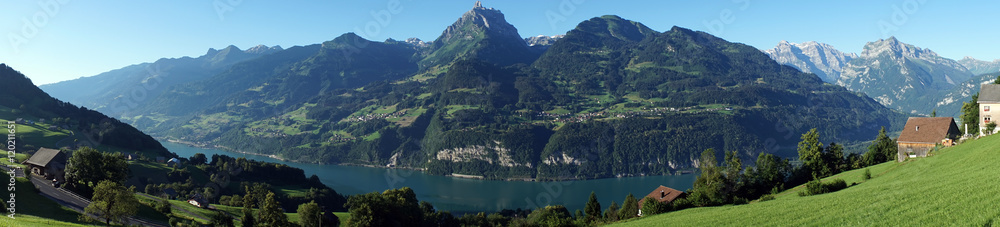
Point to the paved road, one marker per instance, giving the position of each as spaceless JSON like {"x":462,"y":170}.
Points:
{"x":75,"y":202}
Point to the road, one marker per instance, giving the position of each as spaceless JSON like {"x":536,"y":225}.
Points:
{"x":76,"y":202}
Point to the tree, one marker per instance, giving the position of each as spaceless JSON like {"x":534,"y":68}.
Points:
{"x":221,"y":219}
{"x":309,"y":214}
{"x":708,"y":187}
{"x":834,"y":158}
{"x":593,"y":208}
{"x":89,"y":166}
{"x":770,"y":171}
{"x":997,"y":80}
{"x":248,"y":218}
{"x":934,"y":113}
{"x":882,"y":149}
{"x":112,"y":202}
{"x":630,"y":208}
{"x":992,"y":126}
{"x":811,"y":154}
{"x":651,"y":206}
{"x":611,"y":214}
{"x":970,"y":115}
{"x":198,"y":159}
{"x":270,"y":213}
{"x":733,"y":177}
{"x":371,"y":209}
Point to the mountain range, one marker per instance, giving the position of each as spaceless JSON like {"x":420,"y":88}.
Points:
{"x":610,"y":98}
{"x":48,"y":122}
{"x":901,"y":76}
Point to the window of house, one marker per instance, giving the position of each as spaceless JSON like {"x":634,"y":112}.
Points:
{"x":986,"y":108}
{"x":986,"y":119}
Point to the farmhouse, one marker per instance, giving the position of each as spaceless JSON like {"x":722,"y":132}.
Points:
{"x":989,"y":99}
{"x":49,"y":163}
{"x":662,"y":194}
{"x":198,"y":201}
{"x":921,"y":134}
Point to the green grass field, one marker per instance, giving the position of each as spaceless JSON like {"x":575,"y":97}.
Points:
{"x":33,"y":209}
{"x":955,"y":186}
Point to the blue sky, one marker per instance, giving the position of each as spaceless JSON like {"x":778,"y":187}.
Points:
{"x":56,"y":40}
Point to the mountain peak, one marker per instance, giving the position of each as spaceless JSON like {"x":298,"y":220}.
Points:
{"x":895,"y":49}
{"x":812,"y":57}
{"x":615,"y":26}
{"x":262,"y":49}
{"x":481,"y":33}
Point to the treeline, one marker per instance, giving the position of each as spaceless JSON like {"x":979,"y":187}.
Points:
{"x":228,"y":177}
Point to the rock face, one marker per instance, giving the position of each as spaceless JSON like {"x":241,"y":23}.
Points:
{"x":542,"y":40}
{"x":812,"y":57}
{"x":262,"y":50}
{"x":481,"y":33}
{"x":902,"y":76}
{"x":978,"y":67}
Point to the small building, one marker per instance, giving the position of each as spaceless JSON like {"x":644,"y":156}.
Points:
{"x":921,"y":134}
{"x":48,"y":163}
{"x":20,"y":121}
{"x":174,"y":162}
{"x":662,"y":194}
{"x":160,"y":159}
{"x":989,"y":99}
{"x":198,"y":200}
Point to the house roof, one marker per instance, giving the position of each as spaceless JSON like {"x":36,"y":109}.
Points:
{"x":43,"y":157}
{"x":928,"y":130}
{"x":663,"y":194}
{"x":989,"y":93}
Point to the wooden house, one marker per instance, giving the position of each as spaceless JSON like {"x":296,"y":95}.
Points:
{"x":662,"y":194}
{"x":921,"y":134}
{"x":48,"y":163}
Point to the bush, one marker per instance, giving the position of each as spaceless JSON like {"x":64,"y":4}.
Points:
{"x":816,"y":187}
{"x":767,"y":197}
{"x":867,"y":176}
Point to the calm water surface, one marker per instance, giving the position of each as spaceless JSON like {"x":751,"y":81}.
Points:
{"x":467,"y":195}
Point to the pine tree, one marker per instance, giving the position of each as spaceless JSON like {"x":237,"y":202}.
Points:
{"x":630,"y":208}
{"x":611,"y":214}
{"x":970,"y":115}
{"x":248,"y":218}
{"x":270,"y":213}
{"x":883,"y":149}
{"x":593,"y":207}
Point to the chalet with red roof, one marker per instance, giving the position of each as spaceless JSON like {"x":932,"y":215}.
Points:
{"x":921,"y":134}
{"x":662,"y":194}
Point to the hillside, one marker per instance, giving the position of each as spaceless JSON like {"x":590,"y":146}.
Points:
{"x":472,"y":117}
{"x":611,"y":98}
{"x":955,"y":186}
{"x":116,"y":91}
{"x":53,"y":123}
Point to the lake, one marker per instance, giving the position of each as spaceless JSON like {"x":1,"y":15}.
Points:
{"x":468,"y":195}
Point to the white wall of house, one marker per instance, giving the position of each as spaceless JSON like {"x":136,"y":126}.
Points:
{"x":988,"y":112}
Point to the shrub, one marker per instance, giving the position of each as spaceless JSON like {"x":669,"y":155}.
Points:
{"x":868,"y":175}
{"x":767,"y":197}
{"x":816,"y":187}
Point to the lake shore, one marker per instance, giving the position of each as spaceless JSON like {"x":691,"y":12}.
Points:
{"x":455,"y":175}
